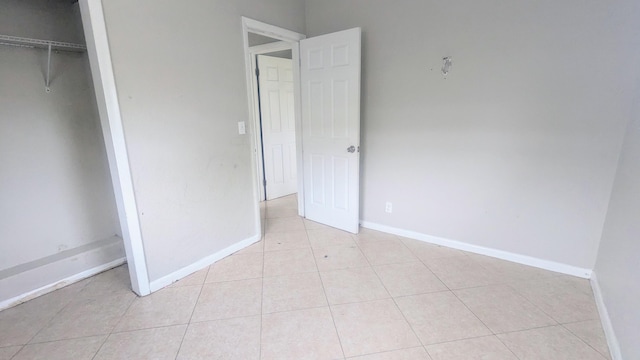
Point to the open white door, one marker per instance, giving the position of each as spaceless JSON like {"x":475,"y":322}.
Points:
{"x":278,"y":125}
{"x":330,"y":87}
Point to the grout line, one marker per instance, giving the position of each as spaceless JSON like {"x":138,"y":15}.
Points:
{"x":190,"y":317}
{"x":392,"y":298}
{"x":579,"y":338}
{"x":324,"y":291}
{"x":263,"y":237}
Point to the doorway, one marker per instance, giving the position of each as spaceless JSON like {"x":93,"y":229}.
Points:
{"x":275,"y":122}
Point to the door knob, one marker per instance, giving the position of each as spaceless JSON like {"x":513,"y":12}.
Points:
{"x":351,"y":149}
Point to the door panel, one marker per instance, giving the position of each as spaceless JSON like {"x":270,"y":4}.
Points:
{"x":278,"y":125}
{"x":330,"y":86}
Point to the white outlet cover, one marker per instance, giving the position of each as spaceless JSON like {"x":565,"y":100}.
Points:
{"x":241,"y":128}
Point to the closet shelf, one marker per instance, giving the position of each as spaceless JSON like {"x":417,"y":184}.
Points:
{"x":42,"y":44}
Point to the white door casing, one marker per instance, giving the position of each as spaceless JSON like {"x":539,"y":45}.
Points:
{"x":278,"y":125}
{"x":330,"y":88}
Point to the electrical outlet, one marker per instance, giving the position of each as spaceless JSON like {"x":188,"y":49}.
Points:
{"x":388,"y":207}
{"x":241,"y":128}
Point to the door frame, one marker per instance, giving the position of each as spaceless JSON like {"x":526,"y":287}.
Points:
{"x":104,"y":83}
{"x":292,"y":38}
{"x":254,"y":51}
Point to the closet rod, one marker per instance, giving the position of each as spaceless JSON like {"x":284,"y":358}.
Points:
{"x":43,"y":44}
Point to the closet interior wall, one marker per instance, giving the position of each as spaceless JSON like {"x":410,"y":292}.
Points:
{"x":58,"y":219}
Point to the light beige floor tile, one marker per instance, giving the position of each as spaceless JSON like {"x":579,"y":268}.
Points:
{"x":20,"y":323}
{"x":387,"y":252}
{"x":352,"y":285}
{"x":408,"y":279}
{"x":195,"y":279}
{"x":477,"y":348}
{"x":287,"y":224}
{"x":501,"y":309}
{"x":76,"y":349}
{"x":417,"y":353}
{"x":228,"y":299}
{"x":169,"y":306}
{"x":292,"y":292}
{"x":301,"y":334}
{"x":564,"y":298}
{"x":114,"y":281}
{"x":310,"y":225}
{"x":151,"y":344}
{"x":237,"y":338}
{"x":459,"y":272}
{"x":591,"y":333}
{"x":510,"y":271}
{"x":7,"y":353}
{"x":440,"y":317}
{"x":286,"y":241}
{"x":290,"y":201}
{"x":425,"y":251}
{"x":255,"y":248}
{"x":287,"y":262}
{"x":339,"y":257}
{"x":236,"y":267}
{"x":553,"y":342}
{"x":281,"y":212}
{"x":371,"y":327}
{"x":86,"y":317}
{"x":322,"y":238}
{"x":366,"y":236}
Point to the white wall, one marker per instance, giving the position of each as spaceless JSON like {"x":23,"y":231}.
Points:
{"x":57,"y":209}
{"x":516,"y":149}
{"x":617,"y":268}
{"x":179,"y":70}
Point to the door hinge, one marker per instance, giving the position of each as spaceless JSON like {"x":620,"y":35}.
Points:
{"x":257,"y":72}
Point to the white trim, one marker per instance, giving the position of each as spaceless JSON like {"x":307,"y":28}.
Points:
{"x":270,"y":47}
{"x":607,"y":326}
{"x":293,"y":38}
{"x":60,"y":284}
{"x":202,"y":263}
{"x":107,"y":99}
{"x":500,"y":254}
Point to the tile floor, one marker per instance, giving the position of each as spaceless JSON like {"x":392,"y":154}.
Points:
{"x":308,"y":291}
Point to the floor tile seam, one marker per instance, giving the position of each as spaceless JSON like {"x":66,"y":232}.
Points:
{"x":584,"y":342}
{"x":517,"y":294}
{"x":507,"y":347}
{"x":324,"y":291}
{"x":264,"y":235}
{"x":106,"y":333}
{"x":344,"y":268}
{"x":558,"y":322}
{"x":226,"y":281}
{"x":427,"y":293}
{"x":389,"y":351}
{"x":48,"y":322}
{"x":17,"y":352}
{"x":184,"y":335}
{"x":395,"y":303}
{"x":435,"y":274}
{"x":473,"y":313}
{"x":296,"y":309}
{"x":413,"y":331}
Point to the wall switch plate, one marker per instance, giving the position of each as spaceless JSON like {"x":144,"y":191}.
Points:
{"x":241,"y":128}
{"x":388,"y":207}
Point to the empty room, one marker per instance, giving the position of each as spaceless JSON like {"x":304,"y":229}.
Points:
{"x":319,"y":179}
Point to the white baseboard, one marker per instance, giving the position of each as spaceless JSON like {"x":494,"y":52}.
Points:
{"x":202,"y":263}
{"x":4,"y":304}
{"x":607,"y":326}
{"x":500,"y":254}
